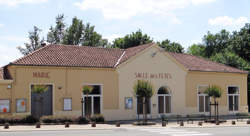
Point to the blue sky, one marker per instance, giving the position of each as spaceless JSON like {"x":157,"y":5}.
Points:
{"x":183,"y":21}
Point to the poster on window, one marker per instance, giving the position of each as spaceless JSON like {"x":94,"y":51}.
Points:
{"x":21,"y":105}
{"x":4,"y":106}
{"x":128,"y":103}
{"x":67,"y":104}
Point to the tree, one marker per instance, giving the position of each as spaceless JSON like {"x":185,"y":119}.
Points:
{"x":171,"y":46}
{"x":92,"y":38}
{"x":74,"y":33}
{"x":144,"y":89}
{"x":132,"y":40}
{"x":214,"y":92}
{"x":216,"y":43}
{"x":197,"y":50}
{"x":34,"y":44}
{"x":86,"y":90}
{"x":240,"y":42}
{"x":56,"y":34}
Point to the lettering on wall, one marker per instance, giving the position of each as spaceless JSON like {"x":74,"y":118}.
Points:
{"x":41,"y":74}
{"x":146,"y":75}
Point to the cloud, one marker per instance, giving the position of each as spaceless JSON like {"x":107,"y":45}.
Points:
{"x":112,"y":37}
{"x":125,"y":9}
{"x":227,"y":21}
{"x":8,"y":54}
{"x":18,"y":2}
{"x":1,"y":25}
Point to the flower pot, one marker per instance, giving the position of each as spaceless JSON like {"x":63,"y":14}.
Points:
{"x":93,"y":124}
{"x":233,"y":122}
{"x":38,"y":125}
{"x":118,"y":124}
{"x":66,"y":124}
{"x":200,"y":123}
{"x":6,"y":126}
{"x":217,"y":122}
{"x":181,"y":123}
{"x":164,"y":123}
{"x":248,"y":122}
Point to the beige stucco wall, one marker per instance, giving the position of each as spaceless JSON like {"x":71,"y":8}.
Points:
{"x":145,"y":63}
{"x":194,"y":79}
{"x":70,"y":80}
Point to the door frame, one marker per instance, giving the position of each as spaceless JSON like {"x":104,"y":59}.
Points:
{"x":53,"y":94}
{"x":233,"y":111}
{"x":164,"y":103}
{"x":198,"y":103}
{"x":92,"y":104}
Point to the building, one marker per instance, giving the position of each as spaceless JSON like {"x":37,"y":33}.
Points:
{"x":64,"y":70}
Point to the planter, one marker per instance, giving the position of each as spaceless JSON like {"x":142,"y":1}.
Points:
{"x":181,"y":123}
{"x":248,"y":122}
{"x":93,"y":124}
{"x":6,"y":126}
{"x":118,"y":124}
{"x":233,"y":122}
{"x":164,"y":123}
{"x":217,"y":122}
{"x":200,"y":123}
{"x":38,"y":125}
{"x":66,"y":124}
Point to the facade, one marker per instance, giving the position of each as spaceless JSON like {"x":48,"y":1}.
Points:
{"x":112,"y":74}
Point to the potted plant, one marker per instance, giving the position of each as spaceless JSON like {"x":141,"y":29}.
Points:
{"x":86,"y":90}
{"x":144,"y":89}
{"x":214,"y":92}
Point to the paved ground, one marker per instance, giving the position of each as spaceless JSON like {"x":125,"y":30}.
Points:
{"x":138,"y":131}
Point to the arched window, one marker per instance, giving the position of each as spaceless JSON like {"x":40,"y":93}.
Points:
{"x":164,"y":100}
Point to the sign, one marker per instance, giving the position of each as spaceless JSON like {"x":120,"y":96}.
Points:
{"x":21,"y":105}
{"x":41,"y":74}
{"x":4,"y":106}
{"x":67,"y":104}
{"x":128,"y":103}
{"x":146,"y":75}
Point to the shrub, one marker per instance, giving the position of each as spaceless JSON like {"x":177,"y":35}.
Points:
{"x":97,"y":118}
{"x":242,"y":114}
{"x":81,"y":120}
{"x":29,"y":120}
{"x":56,"y":119}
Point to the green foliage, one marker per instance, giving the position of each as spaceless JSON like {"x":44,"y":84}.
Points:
{"x":171,"y":46}
{"x":19,"y":120}
{"x":213,"y":91}
{"x":87,"y":89}
{"x":197,"y":50}
{"x":34,"y":42}
{"x":39,"y":89}
{"x":98,"y":118}
{"x":131,"y":40}
{"x":56,"y":34}
{"x":81,"y":120}
{"x":143,"y":89}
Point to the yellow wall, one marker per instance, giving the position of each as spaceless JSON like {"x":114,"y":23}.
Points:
{"x":194,"y":79}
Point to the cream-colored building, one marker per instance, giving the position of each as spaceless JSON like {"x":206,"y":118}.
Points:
{"x":112,"y":73}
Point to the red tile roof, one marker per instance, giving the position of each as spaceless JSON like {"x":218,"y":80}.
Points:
{"x":79,"y":56}
{"x":194,"y":63}
{"x":84,"y":56}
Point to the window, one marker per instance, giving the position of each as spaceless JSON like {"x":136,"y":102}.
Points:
{"x":92,"y":101}
{"x":4,"y":106}
{"x":164,"y":100}
{"x":233,"y":98}
{"x":67,"y":104}
{"x":21,"y":105}
{"x":203,"y":99}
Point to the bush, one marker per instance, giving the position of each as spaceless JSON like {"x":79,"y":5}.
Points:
{"x":56,"y":119}
{"x":29,"y":120}
{"x":81,"y":120}
{"x":97,"y":118}
{"x":242,"y":114}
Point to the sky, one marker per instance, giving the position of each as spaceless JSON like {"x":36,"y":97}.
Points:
{"x":183,"y":21}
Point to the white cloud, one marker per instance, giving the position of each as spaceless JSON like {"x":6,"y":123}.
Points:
{"x":227,"y":21}
{"x":8,"y":54}
{"x":112,"y":37}
{"x":124,"y":9}
{"x":17,"y":2}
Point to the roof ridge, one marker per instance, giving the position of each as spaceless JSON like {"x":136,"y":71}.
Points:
{"x":31,"y":53}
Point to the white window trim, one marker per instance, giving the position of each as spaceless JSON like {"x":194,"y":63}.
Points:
{"x":201,"y":94}
{"x":238,"y":94}
{"x":164,"y":103}
{"x":92,"y":103}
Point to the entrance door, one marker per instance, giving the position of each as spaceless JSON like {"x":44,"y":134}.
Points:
{"x":41,"y":103}
{"x":164,"y":100}
{"x":140,"y":107}
{"x":233,"y":99}
{"x":92,"y":101}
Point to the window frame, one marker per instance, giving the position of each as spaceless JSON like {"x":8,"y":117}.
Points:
{"x":236,"y":94}
{"x":198,"y":98}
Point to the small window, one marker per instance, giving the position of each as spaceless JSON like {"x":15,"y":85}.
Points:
{"x":4,"y":106}
{"x":21,"y":105}
{"x":67,"y":104}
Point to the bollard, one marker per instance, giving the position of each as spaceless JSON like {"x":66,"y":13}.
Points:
{"x":93,"y":124}
{"x":233,"y":122}
{"x":6,"y":126}
{"x":118,"y":124}
{"x":66,"y":124}
{"x":200,"y":123}
{"x":38,"y":125}
{"x":164,"y":123}
{"x":181,"y":123}
{"x":248,"y":122}
{"x":217,"y":123}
